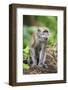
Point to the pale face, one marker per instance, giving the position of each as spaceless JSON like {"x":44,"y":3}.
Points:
{"x":43,"y":33}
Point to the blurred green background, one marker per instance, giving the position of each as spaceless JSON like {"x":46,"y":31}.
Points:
{"x":31,"y":24}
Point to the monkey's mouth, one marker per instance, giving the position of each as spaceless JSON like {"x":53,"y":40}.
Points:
{"x":46,"y":38}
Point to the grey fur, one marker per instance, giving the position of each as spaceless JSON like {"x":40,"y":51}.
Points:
{"x":38,"y":48}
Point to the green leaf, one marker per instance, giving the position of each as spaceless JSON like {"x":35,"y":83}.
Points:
{"x":26,"y":66}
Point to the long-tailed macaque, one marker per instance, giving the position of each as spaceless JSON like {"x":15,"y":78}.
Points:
{"x":38,"y":47}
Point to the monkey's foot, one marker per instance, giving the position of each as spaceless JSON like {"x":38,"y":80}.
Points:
{"x":33,"y":65}
{"x":43,"y":65}
{"x":40,"y":65}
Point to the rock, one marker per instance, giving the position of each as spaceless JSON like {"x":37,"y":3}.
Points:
{"x":51,"y":61}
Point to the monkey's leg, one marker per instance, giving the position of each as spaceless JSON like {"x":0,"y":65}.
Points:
{"x":33,"y":56}
{"x":42,"y":59}
{"x":41,"y":55}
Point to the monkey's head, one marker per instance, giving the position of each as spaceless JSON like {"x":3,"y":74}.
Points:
{"x":43,"y":33}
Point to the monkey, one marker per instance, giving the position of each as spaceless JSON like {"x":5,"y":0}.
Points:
{"x":38,"y":45}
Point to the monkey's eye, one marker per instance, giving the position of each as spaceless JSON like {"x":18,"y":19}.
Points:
{"x":38,"y":30}
{"x":45,"y":31}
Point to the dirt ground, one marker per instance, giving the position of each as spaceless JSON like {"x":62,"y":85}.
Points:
{"x":51,"y":61}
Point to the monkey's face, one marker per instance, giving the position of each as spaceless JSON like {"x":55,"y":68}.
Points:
{"x":43,"y":33}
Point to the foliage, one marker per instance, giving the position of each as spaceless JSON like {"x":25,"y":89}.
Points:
{"x":26,"y":53}
{"x":26,"y":66}
{"x":27,"y":35}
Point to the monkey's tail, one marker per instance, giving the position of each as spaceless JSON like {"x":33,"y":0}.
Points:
{"x":28,"y":61}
